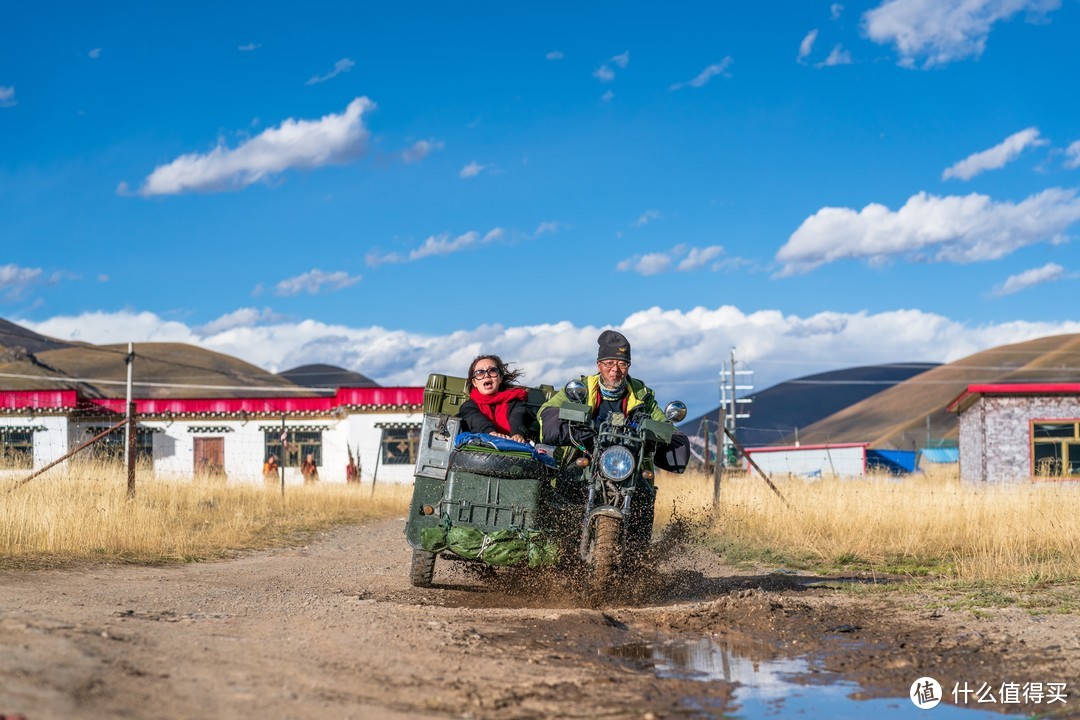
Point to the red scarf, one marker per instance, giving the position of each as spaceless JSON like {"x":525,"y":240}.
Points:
{"x":496,"y":408}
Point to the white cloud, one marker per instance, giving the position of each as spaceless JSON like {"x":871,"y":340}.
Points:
{"x":249,"y":47}
{"x":998,"y":156}
{"x":314,"y":281}
{"x":342,"y":65}
{"x":807,"y":46}
{"x":959,"y":229}
{"x":16,"y":280}
{"x":622,"y":60}
{"x":604,"y":74}
{"x":420,"y":150}
{"x":677,"y":352}
{"x":242,"y":318}
{"x":834,"y":10}
{"x":7,"y":96}
{"x":1029,"y":278}
{"x":647,"y":217}
{"x":95,"y":53}
{"x":606,"y":97}
{"x":837,"y":56}
{"x":546,"y":227}
{"x":436,"y":245}
{"x":472,"y":170}
{"x":333,"y":139}
{"x":683,"y":258}
{"x":555,"y":55}
{"x":1072,"y":155}
{"x":940,"y":31}
{"x":705,"y":75}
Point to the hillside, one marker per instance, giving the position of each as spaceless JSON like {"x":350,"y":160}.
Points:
{"x":778,"y":411}
{"x":326,"y":376}
{"x":897,"y":416}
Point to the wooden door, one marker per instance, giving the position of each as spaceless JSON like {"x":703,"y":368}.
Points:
{"x":210,"y":457}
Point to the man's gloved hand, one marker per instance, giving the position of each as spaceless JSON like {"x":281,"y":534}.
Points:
{"x":580,"y":435}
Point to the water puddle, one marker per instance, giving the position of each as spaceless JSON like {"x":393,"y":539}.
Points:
{"x":776,"y":687}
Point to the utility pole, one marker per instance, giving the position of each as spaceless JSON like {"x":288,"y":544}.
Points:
{"x":734,"y":411}
{"x":705,"y":422}
{"x":129,"y":445}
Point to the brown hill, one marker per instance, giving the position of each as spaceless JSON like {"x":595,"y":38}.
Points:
{"x":898,"y":417}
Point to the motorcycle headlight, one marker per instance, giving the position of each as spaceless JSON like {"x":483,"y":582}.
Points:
{"x":617,"y":462}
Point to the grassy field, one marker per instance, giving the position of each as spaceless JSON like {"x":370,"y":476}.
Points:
{"x":66,"y":518}
{"x":932,"y":527}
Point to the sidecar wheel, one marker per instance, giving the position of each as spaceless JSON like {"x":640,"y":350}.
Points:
{"x":500,"y":465}
{"x":605,"y":546}
{"x":422,"y":569}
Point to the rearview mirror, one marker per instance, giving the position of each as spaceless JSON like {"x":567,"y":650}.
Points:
{"x":675,"y":411}
{"x":575,"y":391}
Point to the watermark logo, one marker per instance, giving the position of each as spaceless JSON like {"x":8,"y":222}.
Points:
{"x":925,"y":693}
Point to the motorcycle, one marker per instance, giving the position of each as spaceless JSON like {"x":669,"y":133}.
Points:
{"x":615,"y":469}
{"x":477,"y":501}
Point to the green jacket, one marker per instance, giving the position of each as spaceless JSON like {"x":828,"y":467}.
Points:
{"x":639,"y":395}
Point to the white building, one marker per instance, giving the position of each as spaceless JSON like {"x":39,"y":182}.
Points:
{"x":839,"y":460}
{"x":232,"y":437}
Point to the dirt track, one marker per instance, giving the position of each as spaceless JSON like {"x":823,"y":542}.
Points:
{"x":334,"y":630}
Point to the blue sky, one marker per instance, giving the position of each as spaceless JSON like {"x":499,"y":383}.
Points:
{"x":395,"y":189}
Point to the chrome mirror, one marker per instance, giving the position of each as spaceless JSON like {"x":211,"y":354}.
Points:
{"x":675,"y":411}
{"x":575,"y":391}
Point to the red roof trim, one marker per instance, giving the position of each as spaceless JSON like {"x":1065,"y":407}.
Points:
{"x":68,"y":399}
{"x":965,"y":399}
{"x":788,"y":448}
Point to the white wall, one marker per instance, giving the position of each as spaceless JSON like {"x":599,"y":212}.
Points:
{"x":839,"y":462}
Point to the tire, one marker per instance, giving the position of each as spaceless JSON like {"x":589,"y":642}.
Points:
{"x":604,"y":549}
{"x":500,"y":465}
{"x":422,"y":569}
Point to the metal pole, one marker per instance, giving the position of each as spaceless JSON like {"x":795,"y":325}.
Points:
{"x":281,"y":465}
{"x":733,"y":406}
{"x":718,"y":469}
{"x":705,"y":422}
{"x":129,"y":361}
{"x":131,"y":450}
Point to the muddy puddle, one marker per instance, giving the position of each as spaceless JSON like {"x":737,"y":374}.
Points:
{"x":771,"y":686}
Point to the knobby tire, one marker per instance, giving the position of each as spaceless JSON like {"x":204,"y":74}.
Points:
{"x":422,"y":569}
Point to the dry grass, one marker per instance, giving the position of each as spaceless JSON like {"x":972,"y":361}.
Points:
{"x":931,"y":526}
{"x":85,"y":515}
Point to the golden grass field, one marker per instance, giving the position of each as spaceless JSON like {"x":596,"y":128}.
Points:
{"x":919,"y":526}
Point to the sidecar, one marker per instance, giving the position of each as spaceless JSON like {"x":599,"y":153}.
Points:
{"x":476,"y":503}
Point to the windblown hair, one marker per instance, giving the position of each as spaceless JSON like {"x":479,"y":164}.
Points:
{"x":509,"y":377}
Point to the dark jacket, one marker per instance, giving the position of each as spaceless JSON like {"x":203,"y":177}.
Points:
{"x":474,"y":420}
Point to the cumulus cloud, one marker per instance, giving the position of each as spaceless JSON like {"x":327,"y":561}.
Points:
{"x":342,"y":65}
{"x":676,"y":351}
{"x":95,"y":53}
{"x":837,"y":56}
{"x":606,"y":97}
{"x":960,"y":229}
{"x":996,"y":157}
{"x":242,"y":318}
{"x":835,"y":9}
{"x":315,"y":281}
{"x":249,"y":47}
{"x":555,"y":55}
{"x":472,"y":170}
{"x":705,"y":75}
{"x":7,"y":96}
{"x":604,"y":73}
{"x":807,"y":45}
{"x":1029,"y":278}
{"x":436,"y":245}
{"x":682,"y":258}
{"x":295,"y":144}
{"x":622,"y":60}
{"x":1072,"y":155}
{"x":936,"y":32}
{"x":15,"y":281}
{"x":420,"y":150}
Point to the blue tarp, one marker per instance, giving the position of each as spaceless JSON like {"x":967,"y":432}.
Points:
{"x":894,"y":461}
{"x":941,"y":455}
{"x":504,"y":445}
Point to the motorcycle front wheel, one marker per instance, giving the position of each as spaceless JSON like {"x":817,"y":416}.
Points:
{"x":604,"y":552}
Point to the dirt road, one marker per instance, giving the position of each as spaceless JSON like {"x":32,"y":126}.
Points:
{"x":333,"y":630}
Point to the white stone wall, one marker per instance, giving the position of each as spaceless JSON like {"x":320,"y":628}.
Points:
{"x":50,"y":443}
{"x":995,"y":434}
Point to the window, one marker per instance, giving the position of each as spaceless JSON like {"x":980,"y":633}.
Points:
{"x":111,"y":447}
{"x":399,"y":445}
{"x":16,"y":448}
{"x":1055,"y":449}
{"x":298,"y":445}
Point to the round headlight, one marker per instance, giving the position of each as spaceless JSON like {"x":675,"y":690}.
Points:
{"x":617,"y":462}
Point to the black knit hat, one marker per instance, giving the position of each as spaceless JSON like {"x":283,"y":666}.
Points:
{"x":613,"y":346}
